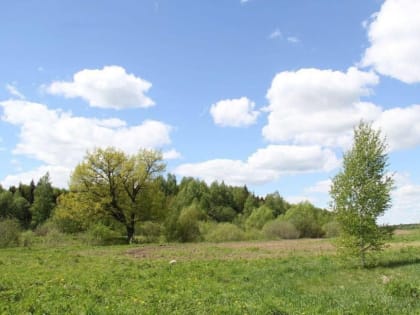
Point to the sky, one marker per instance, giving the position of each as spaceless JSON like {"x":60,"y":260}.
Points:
{"x":263,"y":93}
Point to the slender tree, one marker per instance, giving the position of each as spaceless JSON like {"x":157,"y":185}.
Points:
{"x":44,"y":201}
{"x":361,"y":193}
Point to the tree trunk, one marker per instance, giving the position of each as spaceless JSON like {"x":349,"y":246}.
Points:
{"x":130,"y":232}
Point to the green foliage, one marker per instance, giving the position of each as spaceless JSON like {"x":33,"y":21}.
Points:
{"x":250,"y":204}
{"x":44,"y":201}
{"x":225,"y":232}
{"x":279,"y":229}
{"x":118,"y":182}
{"x":307,"y":219}
{"x":27,"y":238}
{"x":275,"y":202}
{"x":187,"y":227}
{"x":149,"y":232}
{"x":45,"y":228}
{"x":100,"y":234}
{"x":259,"y":217}
{"x":9,"y":233}
{"x":75,"y":213}
{"x":14,"y":206}
{"x":403,"y":289}
{"x":331,"y":229}
{"x":361,"y":193}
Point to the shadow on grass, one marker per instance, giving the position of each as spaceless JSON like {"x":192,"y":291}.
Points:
{"x":394,"y":263}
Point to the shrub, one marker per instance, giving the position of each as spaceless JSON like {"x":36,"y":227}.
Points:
{"x":27,"y":238}
{"x":45,"y":228}
{"x":187,"y":224}
{"x":225,"y":232}
{"x":54,"y":237}
{"x":100,"y":234}
{"x":280,"y":229}
{"x":306,"y":218}
{"x":259,"y":217}
{"x":331,"y":229}
{"x":9,"y":233}
{"x":149,"y":232}
{"x":253,"y":234}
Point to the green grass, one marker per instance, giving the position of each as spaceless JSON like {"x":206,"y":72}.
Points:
{"x":246,"y":278}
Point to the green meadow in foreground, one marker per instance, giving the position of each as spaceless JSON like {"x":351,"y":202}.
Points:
{"x":277,"y":277}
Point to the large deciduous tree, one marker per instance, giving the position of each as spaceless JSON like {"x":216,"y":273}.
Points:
{"x":117,"y":182}
{"x":361,"y":193}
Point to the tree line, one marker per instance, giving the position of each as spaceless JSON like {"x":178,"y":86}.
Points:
{"x":130,"y":195}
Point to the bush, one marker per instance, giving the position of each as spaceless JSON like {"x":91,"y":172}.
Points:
{"x":27,"y":238}
{"x":149,"y":232}
{"x":225,"y":232}
{"x":331,"y":229}
{"x":9,"y":233}
{"x":46,"y":228}
{"x":280,"y":229}
{"x":188,"y":224}
{"x":259,"y":217}
{"x":100,"y":234}
{"x":306,"y":218}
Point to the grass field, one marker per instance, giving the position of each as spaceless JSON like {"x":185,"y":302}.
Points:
{"x":276,"y":277}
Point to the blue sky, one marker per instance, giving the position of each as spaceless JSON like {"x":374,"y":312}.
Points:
{"x":262,"y":93}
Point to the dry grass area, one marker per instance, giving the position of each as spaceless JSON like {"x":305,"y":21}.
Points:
{"x":244,"y":250}
{"x":233,"y":250}
{"x":403,"y":232}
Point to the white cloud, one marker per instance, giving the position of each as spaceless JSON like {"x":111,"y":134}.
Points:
{"x":322,"y":187}
{"x":59,"y":176}
{"x":263,"y":166}
{"x":394,"y":35}
{"x":275,"y":34}
{"x":401,"y":126}
{"x":313,"y":106}
{"x":234,"y":112}
{"x":405,"y":202}
{"x":294,"y":159}
{"x":171,"y":154}
{"x":110,"y":87}
{"x":293,"y":39}
{"x":14,"y":91}
{"x":299,"y":199}
{"x":59,"y":139}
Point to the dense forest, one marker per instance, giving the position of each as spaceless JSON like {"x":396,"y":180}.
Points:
{"x":132,"y":200}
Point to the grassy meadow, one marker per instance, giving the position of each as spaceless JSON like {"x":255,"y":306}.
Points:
{"x":271,"y":277}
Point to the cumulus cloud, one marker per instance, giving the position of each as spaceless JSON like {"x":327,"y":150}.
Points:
{"x":171,"y":154}
{"x":394,"y":36}
{"x":401,"y":126}
{"x":110,"y":87}
{"x":313,"y":106}
{"x":60,"y":139}
{"x":59,"y":176}
{"x":405,"y":202}
{"x":234,"y":112}
{"x":322,"y":187}
{"x":264,"y":165}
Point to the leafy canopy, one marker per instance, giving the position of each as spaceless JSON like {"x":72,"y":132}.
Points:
{"x":361,"y":192}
